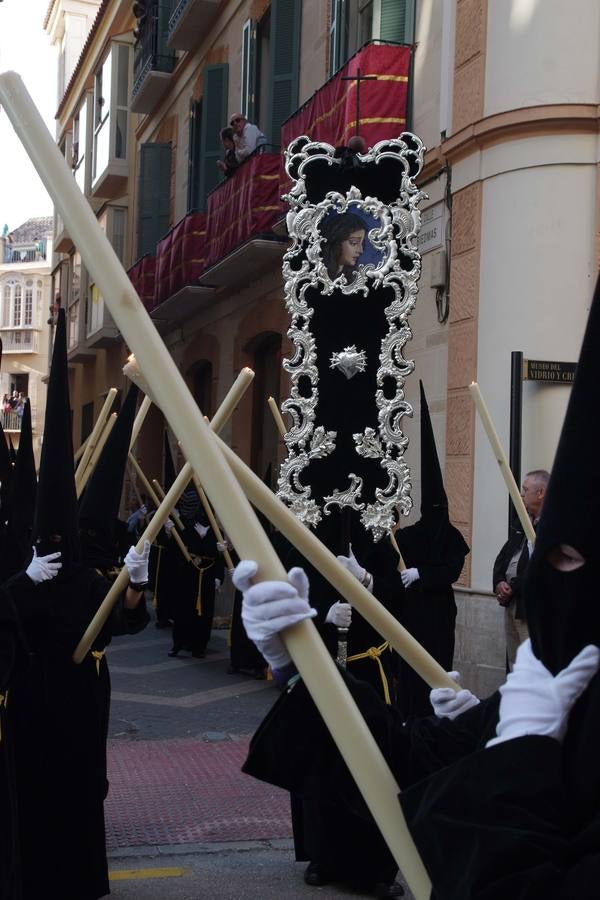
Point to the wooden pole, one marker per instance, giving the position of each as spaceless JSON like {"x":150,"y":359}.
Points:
{"x":339,"y":711}
{"x":492,"y":435}
{"x":96,"y":432}
{"x":339,"y":577}
{"x":150,"y":490}
{"x":394,"y":542}
{"x":139,"y":420}
{"x":219,"y":420}
{"x":213,"y":522}
{"x":85,"y":477}
{"x":277,"y":416}
{"x":80,"y":450}
{"x":160,"y":495}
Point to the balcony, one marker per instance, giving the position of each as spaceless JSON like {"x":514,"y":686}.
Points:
{"x":168,"y":282}
{"x":189,"y":22}
{"x":154,"y":61}
{"x":62,"y":239}
{"x":20,"y":340}
{"x":330,"y":114}
{"x":11,"y":421}
{"x":25,"y":253}
{"x":241,"y":213}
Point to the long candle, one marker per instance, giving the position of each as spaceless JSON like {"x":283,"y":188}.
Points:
{"x":340,"y":713}
{"x":96,"y":432}
{"x":339,"y":577}
{"x":85,"y":477}
{"x":277,"y":416}
{"x":511,"y":484}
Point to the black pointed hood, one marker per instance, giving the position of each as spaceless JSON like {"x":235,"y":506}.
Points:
{"x":433,"y":495}
{"x":169,"y":467}
{"x":6,"y":470}
{"x":22,"y":495}
{"x":563,"y":612}
{"x":433,"y":540}
{"x":99,"y":507}
{"x":56,"y":505}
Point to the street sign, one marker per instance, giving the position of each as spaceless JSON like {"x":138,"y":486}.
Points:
{"x":549,"y":371}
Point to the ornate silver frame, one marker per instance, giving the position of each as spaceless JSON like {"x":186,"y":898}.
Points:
{"x":303,"y":267}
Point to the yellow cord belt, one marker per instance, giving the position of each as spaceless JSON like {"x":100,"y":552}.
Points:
{"x":374,"y":653}
{"x":195,"y":561}
{"x":98,"y":656}
{"x":4,"y":703}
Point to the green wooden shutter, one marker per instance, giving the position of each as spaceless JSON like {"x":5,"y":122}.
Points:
{"x":284,"y":64}
{"x":397,"y":21}
{"x":249,"y":57}
{"x":214,"y":117}
{"x":154,"y":200}
{"x":194,"y":158}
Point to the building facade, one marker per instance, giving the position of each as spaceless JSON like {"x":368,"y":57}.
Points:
{"x":25,"y":299}
{"x":505,"y":97}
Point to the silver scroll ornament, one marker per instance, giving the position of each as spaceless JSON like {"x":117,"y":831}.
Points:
{"x":393,"y":237}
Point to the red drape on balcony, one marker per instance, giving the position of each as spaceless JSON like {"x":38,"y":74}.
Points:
{"x":194,"y":247}
{"x":142,"y":276}
{"x":245,"y":205}
{"x":330,"y":114}
{"x":163,"y":269}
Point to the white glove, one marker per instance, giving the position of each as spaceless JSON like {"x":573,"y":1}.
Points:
{"x":217,"y":584}
{"x":230,"y":572}
{"x":143,"y":510}
{"x":201,"y":529}
{"x":340,"y":615}
{"x":270,"y":606}
{"x":43,"y":568}
{"x":222,"y":547}
{"x":354,"y":567}
{"x":530,"y":547}
{"x":534,"y":701}
{"x":169,"y":526}
{"x":409,"y":576}
{"x":448,"y":703}
{"x":137,"y":564}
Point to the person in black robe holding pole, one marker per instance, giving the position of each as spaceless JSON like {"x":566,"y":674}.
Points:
{"x":56,"y":714}
{"x":434,"y":552}
{"x":502,"y":796}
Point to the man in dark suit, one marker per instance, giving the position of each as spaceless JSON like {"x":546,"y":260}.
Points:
{"x":511,"y":562}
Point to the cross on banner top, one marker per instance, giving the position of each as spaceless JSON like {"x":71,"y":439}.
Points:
{"x":358,"y":78}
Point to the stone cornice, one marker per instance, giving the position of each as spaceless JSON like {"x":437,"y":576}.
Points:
{"x":532,"y":121}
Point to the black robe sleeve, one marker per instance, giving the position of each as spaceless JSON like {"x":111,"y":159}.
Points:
{"x":497,"y":825}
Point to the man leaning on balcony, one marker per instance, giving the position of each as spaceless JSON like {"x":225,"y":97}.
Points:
{"x":246,"y":136}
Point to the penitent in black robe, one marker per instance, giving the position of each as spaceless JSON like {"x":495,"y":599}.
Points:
{"x":57,"y":718}
{"x":194,"y":594}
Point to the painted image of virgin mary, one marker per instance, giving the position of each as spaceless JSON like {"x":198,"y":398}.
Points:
{"x":343,"y":245}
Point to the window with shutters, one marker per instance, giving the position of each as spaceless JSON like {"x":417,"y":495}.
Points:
{"x":284,"y":64}
{"x":81,"y":161}
{"x":214,"y":115}
{"x":355,"y":22}
{"x":194,"y":159}
{"x":249,"y":67}
{"x":154,"y":196}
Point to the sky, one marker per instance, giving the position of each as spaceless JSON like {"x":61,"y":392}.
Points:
{"x":25,"y":48}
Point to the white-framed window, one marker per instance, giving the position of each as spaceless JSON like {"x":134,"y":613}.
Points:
{"x":111,"y":108}
{"x":28,"y":305}
{"x":17,"y":305}
{"x":73,"y":324}
{"x":7,"y":292}
{"x":80,"y":145}
{"x":113,"y":222}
